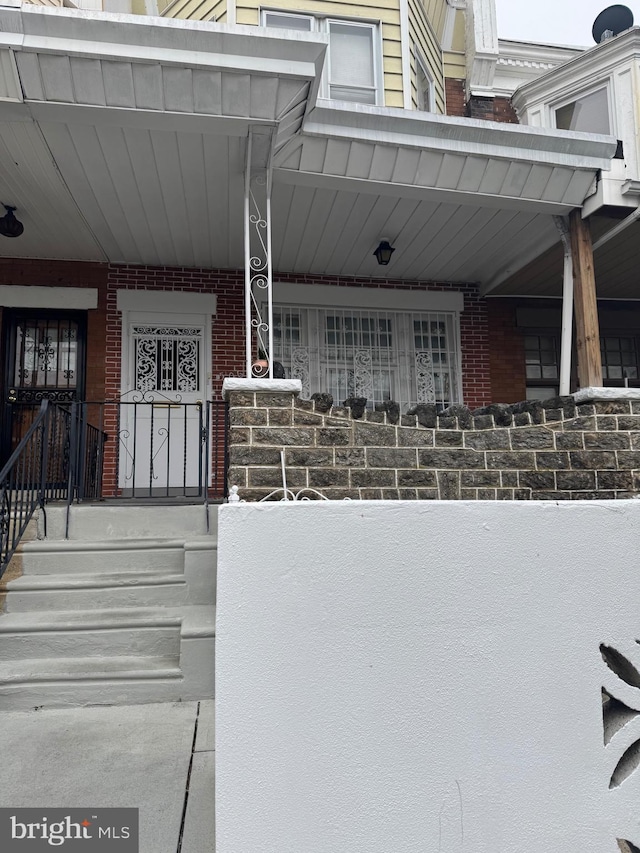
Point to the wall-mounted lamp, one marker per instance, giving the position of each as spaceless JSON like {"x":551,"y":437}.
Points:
{"x":9,"y":225}
{"x":383,"y":252}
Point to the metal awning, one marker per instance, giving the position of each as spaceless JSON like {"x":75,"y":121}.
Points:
{"x":122,"y":138}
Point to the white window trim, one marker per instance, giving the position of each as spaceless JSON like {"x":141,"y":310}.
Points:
{"x":422,"y":63}
{"x":565,"y":100}
{"x":321,"y":23}
{"x":37,"y":296}
{"x":393,"y":301}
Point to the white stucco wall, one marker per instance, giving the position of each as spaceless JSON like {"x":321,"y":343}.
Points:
{"x":424,"y":677}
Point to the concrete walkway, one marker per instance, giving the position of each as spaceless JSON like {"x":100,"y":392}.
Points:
{"x":158,"y":758}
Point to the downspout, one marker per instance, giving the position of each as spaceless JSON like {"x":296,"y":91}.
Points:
{"x":567,"y":308}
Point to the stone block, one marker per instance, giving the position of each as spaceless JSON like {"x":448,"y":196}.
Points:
{"x":550,"y":496}
{"x":552,"y":460}
{"x":502,"y":414}
{"x":280,"y":417}
{"x":275,"y":399}
{"x":374,"y":435}
{"x":569,"y":440}
{"x":522,"y":494}
{"x":490,"y":439}
{"x":237,"y":476}
{"x":284,"y":436}
{"x":239,"y":435}
{"x":504,"y":494}
{"x":328,"y":436}
{"x":480,"y":479}
{"x":376,"y":417}
{"x":321,"y":477}
{"x":574,"y":480}
{"x":420,"y":478}
{"x":242,"y":398}
{"x":338,"y":422}
{"x":630,"y":422}
{"x":393,"y":457}
{"x":487,"y":494}
{"x":370,"y":494}
{"x":272,"y":477}
{"x":615,"y":480}
{"x":428,"y":494}
{"x":307,"y":456}
{"x":468,"y":494}
{"x":508,"y":479}
{"x":606,"y":422}
{"x":408,"y":494}
{"x":483,"y":422}
{"x":592,"y":459}
{"x":369,"y":477}
{"x":522,"y":419}
{"x":426,"y":413}
{"x":553,"y":415}
{"x":518,"y":460}
{"x":449,"y":485}
{"x":302,"y":418}
{"x":533,"y":438}
{"x":452,"y":458}
{"x":587,"y":409}
{"x":565,"y":404}
{"x":537,"y":480}
{"x":586,"y":424}
{"x":635,"y":440}
{"x":341,"y":412}
{"x":322,"y":402}
{"x":626,"y":459}
{"x":592,"y":496}
{"x":247,"y":455}
{"x":607,"y":441}
{"x":303,"y":405}
{"x":338,"y":494}
{"x":447,"y":423}
{"x":635,"y":407}
{"x":408,"y":420}
{"x":350,"y":457}
{"x":416,"y":437}
{"x":612,"y":407}
{"x":247,"y":417}
{"x":448,"y":438}
{"x":390,"y":495}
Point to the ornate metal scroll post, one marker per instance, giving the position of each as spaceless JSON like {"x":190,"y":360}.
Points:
{"x":258,"y":297}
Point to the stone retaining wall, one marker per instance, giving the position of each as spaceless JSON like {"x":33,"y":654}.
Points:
{"x":556,"y":450}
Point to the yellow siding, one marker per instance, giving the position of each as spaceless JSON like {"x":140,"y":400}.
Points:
{"x":455,"y":65}
{"x":435,"y":11}
{"x":422,"y":34}
{"x":198,"y":10}
{"x":386,"y":11}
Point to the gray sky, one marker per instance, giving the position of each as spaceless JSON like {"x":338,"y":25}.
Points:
{"x":554,"y":21}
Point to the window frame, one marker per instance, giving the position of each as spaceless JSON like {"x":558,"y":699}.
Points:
{"x":564,"y":101}
{"x":421,"y":64}
{"x":322,"y":24}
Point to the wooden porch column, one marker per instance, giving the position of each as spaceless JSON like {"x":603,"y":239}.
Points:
{"x":585,"y":304}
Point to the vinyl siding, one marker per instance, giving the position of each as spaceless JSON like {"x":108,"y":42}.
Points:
{"x":385,"y":11}
{"x":422,"y":34}
{"x":198,"y":10}
{"x":436,"y":12}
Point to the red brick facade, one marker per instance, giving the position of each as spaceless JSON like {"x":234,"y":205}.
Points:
{"x":506,"y":353}
{"x":498,"y":109}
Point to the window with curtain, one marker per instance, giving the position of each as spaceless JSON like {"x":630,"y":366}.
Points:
{"x":352,"y":68}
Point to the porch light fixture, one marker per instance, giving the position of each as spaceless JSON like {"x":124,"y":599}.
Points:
{"x":9,"y":225}
{"x":383,"y":252}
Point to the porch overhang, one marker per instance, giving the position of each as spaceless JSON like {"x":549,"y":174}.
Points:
{"x":123,"y":138}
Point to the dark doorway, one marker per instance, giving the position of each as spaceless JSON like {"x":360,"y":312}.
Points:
{"x":45,"y":355}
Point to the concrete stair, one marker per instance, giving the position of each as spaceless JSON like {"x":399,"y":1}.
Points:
{"x":122,"y":612}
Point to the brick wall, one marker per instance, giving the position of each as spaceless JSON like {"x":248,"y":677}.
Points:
{"x":506,"y":352}
{"x":498,"y":109}
{"x":455,"y":99}
{"x":542,"y":451}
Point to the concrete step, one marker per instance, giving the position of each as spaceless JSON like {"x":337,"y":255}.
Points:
{"x":184,"y":671}
{"x":91,"y":591}
{"x":153,"y":632}
{"x":90,"y":681}
{"x":47,"y":556}
{"x":100,"y":522}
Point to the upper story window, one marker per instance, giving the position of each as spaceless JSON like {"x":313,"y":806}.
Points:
{"x":589,"y":113}
{"x":353,"y":66}
{"x":424,"y":84}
